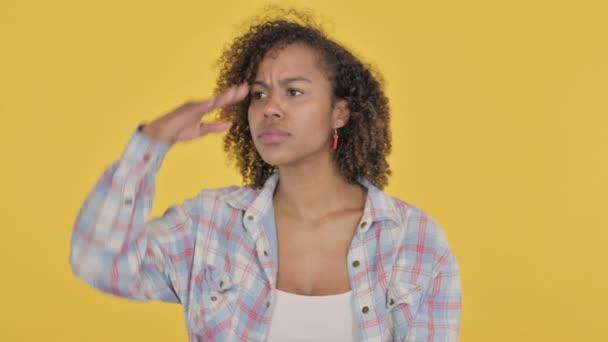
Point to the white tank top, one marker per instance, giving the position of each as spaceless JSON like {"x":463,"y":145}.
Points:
{"x":299,"y":318}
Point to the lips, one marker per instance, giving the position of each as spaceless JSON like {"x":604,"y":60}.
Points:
{"x":273,"y":135}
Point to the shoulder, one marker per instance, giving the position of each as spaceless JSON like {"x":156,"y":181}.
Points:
{"x":408,"y":221}
{"x":409,"y":218}
{"x":212,"y":205}
{"x":234,"y":196}
{"x":420,"y":222}
{"x":420,"y":234}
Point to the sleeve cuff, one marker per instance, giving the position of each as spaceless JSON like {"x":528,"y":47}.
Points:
{"x":142,"y":148}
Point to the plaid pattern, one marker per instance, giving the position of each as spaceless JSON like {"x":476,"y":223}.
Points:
{"x":211,"y":254}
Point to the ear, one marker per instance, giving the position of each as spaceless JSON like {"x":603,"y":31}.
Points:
{"x":340,"y":113}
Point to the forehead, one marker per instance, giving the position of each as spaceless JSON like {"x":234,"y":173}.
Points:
{"x":296,"y":58}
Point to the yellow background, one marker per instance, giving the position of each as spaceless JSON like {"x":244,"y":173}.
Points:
{"x":499,"y":117}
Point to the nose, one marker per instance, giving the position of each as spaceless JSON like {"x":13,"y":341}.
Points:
{"x":272,"y":108}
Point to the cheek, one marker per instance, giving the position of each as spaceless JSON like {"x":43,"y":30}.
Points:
{"x":252,"y":114}
{"x":313,"y":128}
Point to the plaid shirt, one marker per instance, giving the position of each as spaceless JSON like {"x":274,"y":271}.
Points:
{"x":212,"y":254}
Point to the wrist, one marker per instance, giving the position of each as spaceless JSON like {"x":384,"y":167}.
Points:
{"x":149,"y":131}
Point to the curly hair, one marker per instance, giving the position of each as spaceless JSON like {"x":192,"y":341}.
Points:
{"x":365,"y":140}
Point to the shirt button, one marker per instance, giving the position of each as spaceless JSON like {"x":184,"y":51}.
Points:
{"x":267,"y":304}
{"x":250,"y":217}
{"x":365,"y":309}
{"x":147,"y":156}
{"x":356,"y":263}
{"x":391,"y":302}
{"x":128,"y":201}
{"x":363,"y":224}
{"x":213,"y":298}
{"x":265,"y":253}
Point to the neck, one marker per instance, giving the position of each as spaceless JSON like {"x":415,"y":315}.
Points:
{"x":315,"y":189}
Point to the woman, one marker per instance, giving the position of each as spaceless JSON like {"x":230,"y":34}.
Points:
{"x":311,"y":249}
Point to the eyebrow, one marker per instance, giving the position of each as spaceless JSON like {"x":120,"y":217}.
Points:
{"x":283,"y":81}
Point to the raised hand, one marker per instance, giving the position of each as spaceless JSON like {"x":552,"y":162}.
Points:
{"x":184,"y":123}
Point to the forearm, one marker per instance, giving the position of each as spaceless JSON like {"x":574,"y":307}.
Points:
{"x":109,"y":241}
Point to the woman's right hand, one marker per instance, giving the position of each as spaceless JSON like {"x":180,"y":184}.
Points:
{"x":184,"y":123}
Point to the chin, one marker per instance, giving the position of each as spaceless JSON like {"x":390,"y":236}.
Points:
{"x":275,"y":154}
{"x":276,"y":158}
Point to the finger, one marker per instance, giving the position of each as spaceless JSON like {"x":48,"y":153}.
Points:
{"x":233,"y":95}
{"x":210,"y":104}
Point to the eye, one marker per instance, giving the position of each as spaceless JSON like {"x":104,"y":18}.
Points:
{"x":257,"y":95}
{"x":294,"y":92}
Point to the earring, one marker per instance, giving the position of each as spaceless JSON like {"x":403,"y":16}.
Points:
{"x":335,"y":146}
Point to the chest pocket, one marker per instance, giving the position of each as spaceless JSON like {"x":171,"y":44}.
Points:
{"x":402,"y":303}
{"x":213,"y":300}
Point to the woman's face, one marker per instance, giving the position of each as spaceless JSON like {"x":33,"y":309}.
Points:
{"x":291,"y":115}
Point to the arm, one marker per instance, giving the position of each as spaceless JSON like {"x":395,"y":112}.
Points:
{"x":438,"y":318}
{"x":115,"y":248}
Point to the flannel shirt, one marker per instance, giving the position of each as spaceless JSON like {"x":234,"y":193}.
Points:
{"x":211,"y":253}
